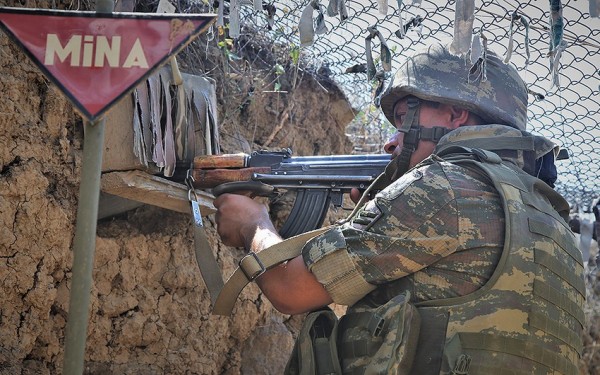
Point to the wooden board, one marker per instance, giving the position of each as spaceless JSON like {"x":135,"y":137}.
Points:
{"x":111,"y":205}
{"x":143,"y":187}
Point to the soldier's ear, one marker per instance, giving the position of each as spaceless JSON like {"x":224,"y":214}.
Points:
{"x":459,"y":117}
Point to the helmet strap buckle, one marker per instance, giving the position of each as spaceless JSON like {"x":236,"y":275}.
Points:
{"x":412,"y":114}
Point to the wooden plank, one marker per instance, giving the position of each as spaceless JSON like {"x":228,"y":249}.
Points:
{"x":111,"y":205}
{"x":143,"y":187}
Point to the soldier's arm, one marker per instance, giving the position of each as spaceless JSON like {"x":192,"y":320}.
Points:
{"x":290,"y":287}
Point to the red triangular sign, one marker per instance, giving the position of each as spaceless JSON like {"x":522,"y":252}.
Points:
{"x":98,"y":58}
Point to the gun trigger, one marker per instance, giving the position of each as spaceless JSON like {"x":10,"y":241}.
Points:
{"x":336,"y":199}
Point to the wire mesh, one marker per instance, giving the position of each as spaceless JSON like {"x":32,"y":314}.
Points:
{"x":567,"y":114}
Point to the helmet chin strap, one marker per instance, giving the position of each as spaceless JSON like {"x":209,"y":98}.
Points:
{"x":399,"y":165}
{"x":413,"y":133}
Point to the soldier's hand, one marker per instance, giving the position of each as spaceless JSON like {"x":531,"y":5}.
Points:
{"x":238,"y":218}
{"x":355,"y":195}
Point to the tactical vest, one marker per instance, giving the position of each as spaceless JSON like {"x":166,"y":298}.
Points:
{"x":527,"y":319}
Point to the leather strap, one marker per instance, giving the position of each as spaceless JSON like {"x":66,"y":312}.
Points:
{"x":255,"y":264}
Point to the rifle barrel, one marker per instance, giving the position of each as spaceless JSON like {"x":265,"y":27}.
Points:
{"x":375,"y":159}
{"x":310,"y":177}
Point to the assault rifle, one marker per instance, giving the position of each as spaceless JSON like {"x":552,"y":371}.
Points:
{"x":317,"y":180}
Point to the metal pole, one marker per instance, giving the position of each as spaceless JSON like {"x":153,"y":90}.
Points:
{"x":84,"y":243}
{"x":84,"y":246}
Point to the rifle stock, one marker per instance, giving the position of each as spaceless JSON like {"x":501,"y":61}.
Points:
{"x":317,"y":180}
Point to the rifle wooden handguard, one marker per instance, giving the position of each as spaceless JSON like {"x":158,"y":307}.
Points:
{"x":239,"y":160}
{"x":209,"y":178}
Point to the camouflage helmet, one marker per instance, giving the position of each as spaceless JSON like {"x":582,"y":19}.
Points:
{"x":435,"y":74}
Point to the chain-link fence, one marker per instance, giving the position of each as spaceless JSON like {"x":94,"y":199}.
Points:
{"x":567,"y":112}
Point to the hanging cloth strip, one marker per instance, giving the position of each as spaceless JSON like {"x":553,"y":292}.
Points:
{"x":333,"y":8}
{"x":556,"y":24}
{"x":168,"y":78}
{"x":271,"y":10}
{"x":142,"y":110}
{"x":478,"y":58}
{"x":320,"y":26}
{"x":169,"y":134}
{"x":382,"y":6}
{"x":305,"y":26}
{"x":158,"y":156}
{"x":514,"y":18}
{"x":585,"y":240}
{"x":379,"y":89}
{"x":385,"y":57}
{"x":141,"y":141}
{"x":463,"y":27}
{"x":557,"y":44}
{"x":181,"y":120}
{"x":139,"y":146}
{"x":401,"y":33}
{"x":258,"y":5}
{"x":595,"y":8}
{"x":234,"y":18}
{"x":414,"y":22}
{"x":343,"y":10}
{"x":337,"y":7}
{"x":202,"y":103}
{"x":221,"y":18}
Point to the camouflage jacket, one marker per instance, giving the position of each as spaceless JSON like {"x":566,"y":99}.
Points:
{"x":437,"y":231}
{"x":526,"y":316}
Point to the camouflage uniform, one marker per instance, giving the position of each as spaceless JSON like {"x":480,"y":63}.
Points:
{"x":438,"y":233}
{"x":464,"y":264}
{"x":423,"y":233}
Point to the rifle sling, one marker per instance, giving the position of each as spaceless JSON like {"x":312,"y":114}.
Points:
{"x":255,"y":264}
{"x":209,"y":268}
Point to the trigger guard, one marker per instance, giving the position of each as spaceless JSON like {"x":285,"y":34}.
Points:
{"x":256,"y":187}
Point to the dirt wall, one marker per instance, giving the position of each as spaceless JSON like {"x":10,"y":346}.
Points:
{"x":150,"y":311}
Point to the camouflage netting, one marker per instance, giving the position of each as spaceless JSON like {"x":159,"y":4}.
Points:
{"x":150,"y":310}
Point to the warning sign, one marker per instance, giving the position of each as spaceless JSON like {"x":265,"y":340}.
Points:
{"x":98,"y":58}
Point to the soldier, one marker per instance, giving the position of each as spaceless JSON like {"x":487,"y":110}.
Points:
{"x":463,"y":264}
